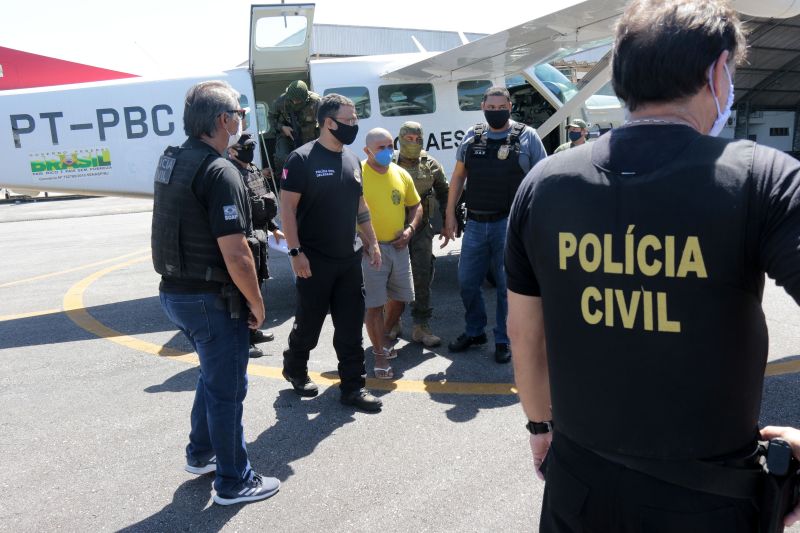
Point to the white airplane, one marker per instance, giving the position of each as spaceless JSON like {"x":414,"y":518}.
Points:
{"x":103,"y":138}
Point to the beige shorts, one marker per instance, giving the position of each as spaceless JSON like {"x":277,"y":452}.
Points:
{"x":392,"y":281}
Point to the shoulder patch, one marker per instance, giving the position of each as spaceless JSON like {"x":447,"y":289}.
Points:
{"x":166,"y":164}
{"x":230,"y":212}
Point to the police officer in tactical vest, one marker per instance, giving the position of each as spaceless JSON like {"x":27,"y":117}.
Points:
{"x":209,"y":284}
{"x":264,"y":208}
{"x":492,"y":160}
{"x":293,"y":117}
{"x":431,"y":186}
{"x":635,"y":272}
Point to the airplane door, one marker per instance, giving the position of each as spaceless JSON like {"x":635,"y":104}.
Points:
{"x":280,"y":38}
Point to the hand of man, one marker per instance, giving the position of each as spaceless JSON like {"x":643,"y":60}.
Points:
{"x":540,"y":445}
{"x":374,"y":254}
{"x":278,"y":234}
{"x":402,"y":238}
{"x":257,"y":314}
{"x":448,"y":230}
{"x":792,"y":436}
{"x":289,"y":132}
{"x":301,"y":266}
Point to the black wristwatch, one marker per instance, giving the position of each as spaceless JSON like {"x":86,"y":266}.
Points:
{"x":539,"y":428}
{"x":294,"y":252}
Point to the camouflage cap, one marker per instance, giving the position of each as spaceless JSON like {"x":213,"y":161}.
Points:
{"x":410,"y":127}
{"x":578,"y":123}
{"x":297,"y":90}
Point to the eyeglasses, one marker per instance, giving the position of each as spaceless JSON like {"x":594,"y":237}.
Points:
{"x":240,"y":112}
{"x":346,"y":120}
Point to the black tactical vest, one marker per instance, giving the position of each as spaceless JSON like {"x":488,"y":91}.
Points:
{"x":651,"y":287}
{"x":182,"y":244}
{"x":493,"y":170}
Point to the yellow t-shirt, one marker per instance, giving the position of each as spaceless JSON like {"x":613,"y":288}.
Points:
{"x":387,"y":196}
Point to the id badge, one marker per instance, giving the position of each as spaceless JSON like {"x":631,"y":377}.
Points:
{"x":502,"y":153}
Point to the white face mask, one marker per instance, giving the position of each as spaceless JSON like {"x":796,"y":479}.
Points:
{"x":722,"y":116}
{"x":233,"y":137}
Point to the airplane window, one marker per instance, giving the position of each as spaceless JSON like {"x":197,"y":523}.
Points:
{"x":281,"y":31}
{"x":406,"y":99}
{"x":262,"y":109}
{"x":359,"y":96}
{"x":470,"y":94}
{"x":244,"y":104}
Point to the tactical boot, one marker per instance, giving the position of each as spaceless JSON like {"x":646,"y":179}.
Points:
{"x":422,"y":333}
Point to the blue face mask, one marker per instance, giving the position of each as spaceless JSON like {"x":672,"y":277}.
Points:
{"x":574,"y":135}
{"x":384,"y":157}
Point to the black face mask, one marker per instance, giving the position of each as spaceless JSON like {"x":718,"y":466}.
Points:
{"x":497,"y":118}
{"x":245,"y":156}
{"x":345,"y":133}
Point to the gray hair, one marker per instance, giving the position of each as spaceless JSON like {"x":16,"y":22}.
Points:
{"x":206,"y":101}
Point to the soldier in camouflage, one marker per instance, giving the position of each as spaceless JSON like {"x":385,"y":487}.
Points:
{"x":293,"y":117}
{"x":432,"y":187}
{"x":578,"y":132}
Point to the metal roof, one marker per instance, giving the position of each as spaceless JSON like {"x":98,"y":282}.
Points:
{"x":332,"y":40}
{"x":770,"y":79}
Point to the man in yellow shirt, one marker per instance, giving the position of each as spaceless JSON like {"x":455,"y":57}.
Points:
{"x":394,"y":205}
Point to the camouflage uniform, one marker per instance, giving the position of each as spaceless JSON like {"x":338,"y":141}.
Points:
{"x":301,"y":118}
{"x":431,"y":185}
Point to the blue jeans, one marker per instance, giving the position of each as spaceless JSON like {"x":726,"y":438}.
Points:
{"x":482,"y":247}
{"x":222,"y":346}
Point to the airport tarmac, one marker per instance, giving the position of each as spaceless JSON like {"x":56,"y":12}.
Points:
{"x":96,"y":387}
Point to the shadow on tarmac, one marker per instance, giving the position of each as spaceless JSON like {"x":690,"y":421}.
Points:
{"x":181,"y":382}
{"x":300,"y":426}
{"x":190,"y":510}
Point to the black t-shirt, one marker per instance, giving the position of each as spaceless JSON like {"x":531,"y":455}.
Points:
{"x":648,"y":249}
{"x":330,"y":187}
{"x":219,"y":188}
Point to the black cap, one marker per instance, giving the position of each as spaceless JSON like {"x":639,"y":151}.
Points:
{"x":246,"y":142}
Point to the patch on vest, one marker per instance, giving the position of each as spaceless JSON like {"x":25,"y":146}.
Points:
{"x":395,"y":197}
{"x":164,"y":170}
{"x":357,"y":175}
{"x":230,"y":212}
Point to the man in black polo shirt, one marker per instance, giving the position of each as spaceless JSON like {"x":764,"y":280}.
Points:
{"x":209,"y":288}
{"x":321,"y":204}
{"x":640,"y":259}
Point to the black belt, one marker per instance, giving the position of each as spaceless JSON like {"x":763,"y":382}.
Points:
{"x":485,"y":217}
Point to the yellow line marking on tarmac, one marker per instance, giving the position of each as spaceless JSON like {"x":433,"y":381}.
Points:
{"x":6,"y":318}
{"x":76,"y":311}
{"x":83,"y":267}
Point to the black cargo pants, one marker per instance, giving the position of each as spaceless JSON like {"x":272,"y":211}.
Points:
{"x":339,"y":288}
{"x":588,"y":494}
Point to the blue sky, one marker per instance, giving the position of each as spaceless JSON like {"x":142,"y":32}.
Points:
{"x":176,"y":37}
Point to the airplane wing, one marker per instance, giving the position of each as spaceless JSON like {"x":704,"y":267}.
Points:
{"x":582,"y":26}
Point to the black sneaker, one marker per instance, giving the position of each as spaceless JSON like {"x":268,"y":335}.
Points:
{"x":253,"y":489}
{"x":257,"y":336}
{"x":255,"y":352}
{"x":302,"y":386}
{"x":464,"y":341}
{"x":193,"y":466}
{"x":501,"y":353}
{"x":362,"y":399}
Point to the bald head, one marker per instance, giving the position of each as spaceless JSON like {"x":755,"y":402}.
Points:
{"x":377,"y":138}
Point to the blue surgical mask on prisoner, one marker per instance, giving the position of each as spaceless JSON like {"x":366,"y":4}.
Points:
{"x":722,"y":116}
{"x":384,"y":157}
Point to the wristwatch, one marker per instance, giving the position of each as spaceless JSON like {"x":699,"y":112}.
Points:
{"x":294,"y":252}
{"x":539,"y":428}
